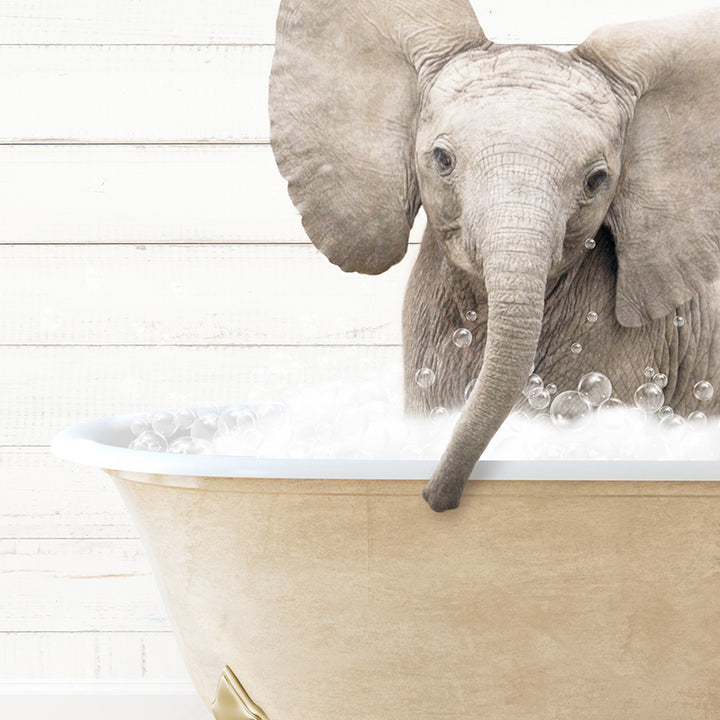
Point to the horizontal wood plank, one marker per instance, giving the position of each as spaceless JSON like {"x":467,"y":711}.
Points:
{"x":80,"y":656}
{"x":44,"y":389}
{"x":42,"y":497}
{"x":78,"y":585}
{"x":134,"y":94}
{"x":194,"y":295}
{"x":253,"y":21}
{"x":144,"y":194}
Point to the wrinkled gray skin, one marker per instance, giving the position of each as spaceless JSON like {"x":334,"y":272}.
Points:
{"x":518,"y":154}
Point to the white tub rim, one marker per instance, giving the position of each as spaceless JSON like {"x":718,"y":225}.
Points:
{"x":91,"y":443}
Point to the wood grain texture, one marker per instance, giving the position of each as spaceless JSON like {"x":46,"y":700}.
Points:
{"x":79,"y":656}
{"x":42,"y":497}
{"x":134,"y":94}
{"x":194,"y":295}
{"x":77,"y":585}
{"x":139,"y":194}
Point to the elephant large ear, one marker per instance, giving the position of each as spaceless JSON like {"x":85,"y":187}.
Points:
{"x":343,"y":102}
{"x":666,"y":214}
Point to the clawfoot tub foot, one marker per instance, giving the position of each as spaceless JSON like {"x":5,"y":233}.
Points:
{"x":232,"y":701}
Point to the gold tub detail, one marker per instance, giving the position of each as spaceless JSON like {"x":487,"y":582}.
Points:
{"x":344,"y":597}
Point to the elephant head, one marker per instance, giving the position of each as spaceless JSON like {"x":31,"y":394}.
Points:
{"x":517,"y":153}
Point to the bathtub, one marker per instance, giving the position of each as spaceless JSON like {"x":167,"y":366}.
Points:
{"x":328,"y":590}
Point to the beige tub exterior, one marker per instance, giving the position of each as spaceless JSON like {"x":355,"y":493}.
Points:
{"x":334,"y":599}
{"x":534,"y":600}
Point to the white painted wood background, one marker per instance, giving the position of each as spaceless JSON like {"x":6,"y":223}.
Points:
{"x":150,"y":258}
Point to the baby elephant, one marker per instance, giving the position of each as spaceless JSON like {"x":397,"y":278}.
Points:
{"x":572,"y":199}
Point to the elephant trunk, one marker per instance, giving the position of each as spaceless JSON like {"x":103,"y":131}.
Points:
{"x":518,"y":248}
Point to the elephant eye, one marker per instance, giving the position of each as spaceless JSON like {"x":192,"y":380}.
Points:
{"x":444,"y":160}
{"x":595,"y":180}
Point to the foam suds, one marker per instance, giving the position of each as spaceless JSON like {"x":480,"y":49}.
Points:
{"x":365,"y":420}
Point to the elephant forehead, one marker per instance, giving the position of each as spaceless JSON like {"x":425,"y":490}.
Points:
{"x":523,"y":80}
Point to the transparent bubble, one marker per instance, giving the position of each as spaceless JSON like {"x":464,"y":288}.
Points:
{"x":236,"y":418}
{"x":590,"y":243}
{"x":649,"y":398}
{"x":703,"y":390}
{"x":532,"y":384}
{"x":462,"y":338}
{"x":424,"y":377}
{"x":204,"y":427}
{"x":185,"y":418}
{"x":648,"y":372}
{"x":596,"y":387}
{"x":665,"y":411}
{"x":610,"y":413}
{"x":576,"y":348}
{"x":164,"y":423}
{"x":660,"y":379}
{"x":439,"y":415}
{"x":187,"y":445}
{"x":139,"y":425}
{"x":672,"y":422}
{"x":678,"y":321}
{"x":697,"y":419}
{"x":149,"y":441}
{"x":551,"y":388}
{"x":611,"y":403}
{"x":468,"y":388}
{"x":271,"y":412}
{"x":592,"y":316}
{"x":539,"y":399}
{"x":570,"y":409}
{"x":471,"y":315}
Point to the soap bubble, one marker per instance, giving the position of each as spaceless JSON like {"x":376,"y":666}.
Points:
{"x":648,"y":372}
{"x":149,"y":441}
{"x":424,"y":377}
{"x":576,"y":348}
{"x":570,"y":409}
{"x":164,"y":423}
{"x":551,"y":388}
{"x":532,"y":384}
{"x":649,"y":398}
{"x":233,"y":419}
{"x":590,"y":243}
{"x":471,"y":315}
{"x":271,"y":412}
{"x":462,"y":337}
{"x":610,"y":414}
{"x":468,"y":388}
{"x":139,"y":425}
{"x":187,"y":445}
{"x":660,"y":379}
{"x":697,"y":419}
{"x":592,"y":316}
{"x":204,"y":427}
{"x":611,"y":403}
{"x":539,"y":399}
{"x":678,"y":321}
{"x":439,"y":415}
{"x":673,"y":422}
{"x":665,"y":411}
{"x":185,"y":418}
{"x":596,"y":387}
{"x":703,"y":390}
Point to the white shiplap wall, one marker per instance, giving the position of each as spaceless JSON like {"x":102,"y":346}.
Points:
{"x":150,"y":258}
